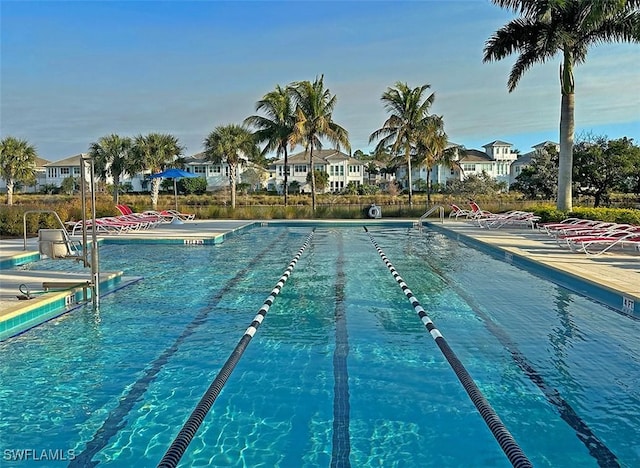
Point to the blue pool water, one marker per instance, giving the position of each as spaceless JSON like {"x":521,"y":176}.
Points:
{"x":342,"y":370}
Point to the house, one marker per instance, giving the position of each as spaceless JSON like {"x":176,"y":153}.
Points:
{"x":495,"y":160}
{"x":525,"y":159}
{"x":342,"y":170}
{"x":57,"y":171}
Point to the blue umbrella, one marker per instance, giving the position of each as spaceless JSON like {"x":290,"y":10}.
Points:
{"x":173,"y":173}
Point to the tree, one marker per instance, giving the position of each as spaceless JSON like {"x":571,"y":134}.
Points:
{"x":569,"y":27}
{"x":69,"y":185}
{"x":276,"y":128}
{"x":17,"y":163}
{"x":111,"y":155}
{"x":232,"y":144}
{"x":540,"y":178}
{"x":153,"y":152}
{"x":314,"y":120}
{"x":321,"y":179}
{"x":432,"y":148}
{"x":409,"y":113}
{"x":602,"y":165}
{"x":476,"y":184}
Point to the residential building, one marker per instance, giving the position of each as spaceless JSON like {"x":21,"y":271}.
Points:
{"x":342,"y":170}
{"x":525,"y":159}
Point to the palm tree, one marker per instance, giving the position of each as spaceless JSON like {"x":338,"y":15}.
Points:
{"x":232,"y":144}
{"x":432,"y":148}
{"x":17,"y":163}
{"x":111,"y":156}
{"x":276,"y":128}
{"x":409,"y":114}
{"x":549,"y":27}
{"x":154,"y":152}
{"x":314,"y":121}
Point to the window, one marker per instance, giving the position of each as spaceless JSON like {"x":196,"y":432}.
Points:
{"x":300,"y":168}
{"x":76,"y":171}
{"x":216,"y":169}
{"x":199,"y":169}
{"x":64,"y":171}
{"x":469,"y":167}
{"x":319,"y":167}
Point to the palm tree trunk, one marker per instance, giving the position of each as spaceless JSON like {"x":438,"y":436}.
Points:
{"x":565,"y":165}
{"x":155,"y":189}
{"x":232,"y":180}
{"x":116,"y":186}
{"x":10,"y":185}
{"x":286,"y":178}
{"x":428,"y":187}
{"x":410,"y":183}
{"x":565,"y":202}
{"x":313,"y":181}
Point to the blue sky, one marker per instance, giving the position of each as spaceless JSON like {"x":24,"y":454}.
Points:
{"x":74,"y":71}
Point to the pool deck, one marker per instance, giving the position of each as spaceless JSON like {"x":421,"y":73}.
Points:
{"x":617,"y":271}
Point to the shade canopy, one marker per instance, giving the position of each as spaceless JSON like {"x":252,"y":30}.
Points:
{"x":173,"y":173}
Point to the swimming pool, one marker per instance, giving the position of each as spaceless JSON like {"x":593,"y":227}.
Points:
{"x":341,"y":371}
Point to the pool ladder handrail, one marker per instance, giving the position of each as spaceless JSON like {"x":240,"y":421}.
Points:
{"x":73,"y":247}
{"x":431,"y":210}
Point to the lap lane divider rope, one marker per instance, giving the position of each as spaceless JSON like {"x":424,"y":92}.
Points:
{"x":188,"y":431}
{"x":502,"y":435}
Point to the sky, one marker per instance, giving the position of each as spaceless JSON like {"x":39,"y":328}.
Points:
{"x":74,"y":71}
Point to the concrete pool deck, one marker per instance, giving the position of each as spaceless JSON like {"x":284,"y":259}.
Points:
{"x":617,"y":271}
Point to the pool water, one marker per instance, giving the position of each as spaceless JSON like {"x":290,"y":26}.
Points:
{"x":341,"y":371}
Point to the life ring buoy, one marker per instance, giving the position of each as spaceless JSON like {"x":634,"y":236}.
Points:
{"x":374,"y":212}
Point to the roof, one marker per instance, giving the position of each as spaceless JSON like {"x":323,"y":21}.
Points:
{"x":497,"y":143}
{"x":326,"y":156}
{"x":40,"y":162}
{"x":524,"y":159}
{"x":544,"y":144}
{"x":201,"y":158}
{"x":66,"y":162}
{"x":471,"y":155}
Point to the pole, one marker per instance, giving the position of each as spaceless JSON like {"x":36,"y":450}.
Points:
{"x":175,"y":192}
{"x":83,"y":195}
{"x":95,"y":270}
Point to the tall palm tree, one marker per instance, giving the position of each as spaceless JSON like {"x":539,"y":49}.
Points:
{"x":232,"y":144}
{"x":569,"y":27}
{"x":432,"y":148}
{"x":17,"y":163}
{"x":111,"y":156}
{"x":154,"y":152}
{"x":409,"y":114}
{"x":276,"y":127}
{"x":314,"y":121}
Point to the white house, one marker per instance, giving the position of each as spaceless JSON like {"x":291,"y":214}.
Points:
{"x":341,"y":168}
{"x":495,"y":160}
{"x":57,"y":171}
{"x":525,"y":159}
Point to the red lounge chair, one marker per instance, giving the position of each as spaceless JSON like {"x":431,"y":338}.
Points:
{"x":457,"y":212}
{"x":597,"y":245}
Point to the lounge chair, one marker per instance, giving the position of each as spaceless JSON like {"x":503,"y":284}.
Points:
{"x":128,"y":214}
{"x":171,"y":214}
{"x":511,"y":218}
{"x":457,"y":212}
{"x":597,"y":245}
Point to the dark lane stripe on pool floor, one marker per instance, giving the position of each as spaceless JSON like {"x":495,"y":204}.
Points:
{"x":341,"y":438}
{"x":597,"y":449}
{"x":116,"y":419}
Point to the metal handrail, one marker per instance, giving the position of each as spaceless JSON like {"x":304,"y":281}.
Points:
{"x":431,"y":210}
{"x":24,"y":226}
